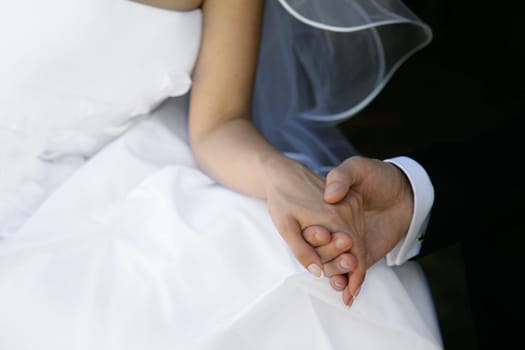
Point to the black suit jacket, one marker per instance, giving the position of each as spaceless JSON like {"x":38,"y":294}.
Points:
{"x":478,"y":183}
{"x":479,"y":196}
{"x":467,"y":85}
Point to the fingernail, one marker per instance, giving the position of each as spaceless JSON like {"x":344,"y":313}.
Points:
{"x":332,"y":188}
{"x":350,"y":302}
{"x":354,"y":296}
{"x":315,"y":270}
{"x":318,"y":236}
{"x":344,"y":264}
{"x":339,"y":284}
{"x":340,"y":243}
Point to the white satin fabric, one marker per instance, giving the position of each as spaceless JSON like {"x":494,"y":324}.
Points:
{"x":141,"y":250}
{"x":73,"y":76}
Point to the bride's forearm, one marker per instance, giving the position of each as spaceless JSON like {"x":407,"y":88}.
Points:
{"x":239,"y":157}
{"x":225,"y":143}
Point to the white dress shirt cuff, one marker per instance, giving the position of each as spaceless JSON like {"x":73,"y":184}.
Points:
{"x":423,"y":191}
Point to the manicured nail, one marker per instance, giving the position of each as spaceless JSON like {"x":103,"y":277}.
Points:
{"x":350,"y":302}
{"x":344,"y":264}
{"x":319,"y":236}
{"x":340,"y":243}
{"x":332,"y":188}
{"x":354,"y":296}
{"x":339,"y":284}
{"x":315,"y":270}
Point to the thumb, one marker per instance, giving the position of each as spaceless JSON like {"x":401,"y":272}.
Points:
{"x":338,"y":182}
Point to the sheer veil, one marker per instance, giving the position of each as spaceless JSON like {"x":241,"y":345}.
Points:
{"x":321,"y":62}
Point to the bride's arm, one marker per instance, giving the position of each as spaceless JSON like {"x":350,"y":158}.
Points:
{"x":230,"y":149}
{"x":225,"y":142}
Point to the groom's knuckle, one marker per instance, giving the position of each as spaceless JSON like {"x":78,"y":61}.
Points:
{"x":358,"y":161}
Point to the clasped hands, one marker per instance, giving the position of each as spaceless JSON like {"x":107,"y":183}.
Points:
{"x":341,"y":225}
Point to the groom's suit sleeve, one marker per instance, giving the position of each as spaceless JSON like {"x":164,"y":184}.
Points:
{"x":478,"y":185}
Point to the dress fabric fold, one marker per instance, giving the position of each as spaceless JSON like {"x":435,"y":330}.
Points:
{"x":139,"y":249}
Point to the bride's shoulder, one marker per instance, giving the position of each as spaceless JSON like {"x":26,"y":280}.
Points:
{"x":177,"y":5}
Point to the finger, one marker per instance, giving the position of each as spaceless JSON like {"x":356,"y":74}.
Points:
{"x":351,"y":291}
{"x":317,"y":236}
{"x":344,"y":263}
{"x":338,"y":182}
{"x":339,"y":282}
{"x":304,"y":252}
{"x":359,"y":250}
{"x":339,"y":244}
{"x":347,"y":297}
{"x":355,"y":282}
{"x":341,"y":178}
{"x":355,"y":278}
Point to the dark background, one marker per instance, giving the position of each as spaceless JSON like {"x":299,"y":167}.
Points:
{"x":467,"y":80}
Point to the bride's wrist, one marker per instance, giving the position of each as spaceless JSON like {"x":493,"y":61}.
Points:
{"x":275,"y":169}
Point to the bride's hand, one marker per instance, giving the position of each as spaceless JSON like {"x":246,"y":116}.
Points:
{"x":295,"y":201}
{"x":338,"y":261}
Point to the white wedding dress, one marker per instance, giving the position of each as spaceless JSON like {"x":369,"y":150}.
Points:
{"x":139,"y":249}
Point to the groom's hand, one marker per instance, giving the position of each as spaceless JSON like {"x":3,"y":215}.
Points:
{"x":388,"y":203}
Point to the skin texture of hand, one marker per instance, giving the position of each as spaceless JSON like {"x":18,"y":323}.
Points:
{"x":295,"y":202}
{"x":387,"y":200}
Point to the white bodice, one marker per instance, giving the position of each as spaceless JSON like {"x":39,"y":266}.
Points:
{"x":74,"y":76}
